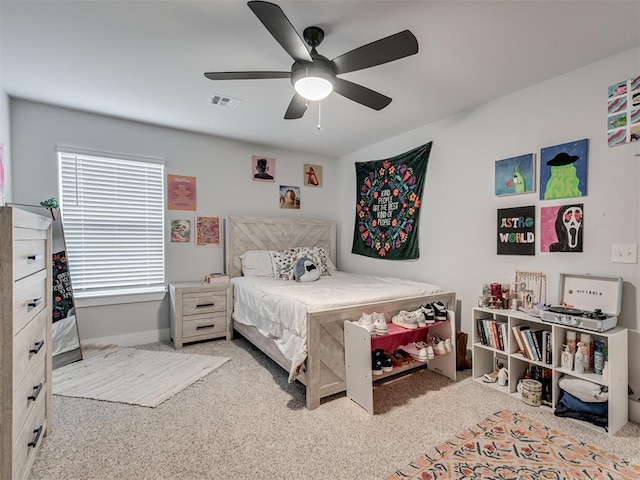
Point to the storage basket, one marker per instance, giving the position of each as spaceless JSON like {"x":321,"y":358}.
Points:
{"x":531,"y":392}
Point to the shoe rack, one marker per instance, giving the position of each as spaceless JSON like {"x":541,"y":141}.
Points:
{"x":485,"y":358}
{"x":358,"y":345}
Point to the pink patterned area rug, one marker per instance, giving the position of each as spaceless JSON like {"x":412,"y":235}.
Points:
{"x":507,"y":445}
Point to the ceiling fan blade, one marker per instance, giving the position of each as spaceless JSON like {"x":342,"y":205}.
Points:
{"x":245,"y":75}
{"x":381,"y":51}
{"x":297,"y":107}
{"x":362,"y":95}
{"x":274,"y":19}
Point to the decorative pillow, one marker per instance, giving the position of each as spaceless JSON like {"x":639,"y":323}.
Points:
{"x":256,"y":263}
{"x":283,"y":261}
{"x":305,"y":270}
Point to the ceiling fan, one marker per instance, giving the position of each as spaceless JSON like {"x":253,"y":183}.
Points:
{"x":314,"y":76}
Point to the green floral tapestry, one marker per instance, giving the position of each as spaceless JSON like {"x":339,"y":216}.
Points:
{"x":388,"y":205}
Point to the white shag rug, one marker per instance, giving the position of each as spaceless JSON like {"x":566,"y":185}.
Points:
{"x":127,"y":375}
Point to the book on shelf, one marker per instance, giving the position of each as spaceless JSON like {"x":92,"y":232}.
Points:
{"x":537,"y":343}
{"x":546,"y":339}
{"x":528,"y":341}
{"x":518,"y":337}
{"x":217,"y":277}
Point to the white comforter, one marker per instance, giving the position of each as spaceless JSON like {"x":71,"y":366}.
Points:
{"x":278,"y":308}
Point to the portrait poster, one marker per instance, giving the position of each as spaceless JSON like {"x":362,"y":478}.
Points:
{"x":623,"y":112}
{"x":62,"y":291}
{"x":517,"y":231}
{"x":263,"y":169}
{"x":181,"y":231}
{"x":289,"y":197}
{"x":561,"y":228}
{"x":312,"y":175}
{"x":389,"y":197}
{"x":207,"y":231}
{"x":515,"y":175}
{"x":563,"y":170}
{"x":181,"y":192}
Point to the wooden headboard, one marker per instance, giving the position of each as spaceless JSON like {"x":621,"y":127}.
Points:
{"x":276,"y":233}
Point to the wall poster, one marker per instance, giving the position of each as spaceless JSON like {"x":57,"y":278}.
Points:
{"x":263,"y":169}
{"x":181,"y":231}
{"x":561,"y":228}
{"x":563,"y":170}
{"x":289,"y":197}
{"x":208,"y":231}
{"x":515,"y":175}
{"x":517,"y":231}
{"x":181,"y":192}
{"x":623,"y":112}
{"x":312,"y":175}
{"x":389,"y":196}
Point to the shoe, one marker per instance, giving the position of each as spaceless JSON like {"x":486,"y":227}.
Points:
{"x":440,"y":310}
{"x":429,"y":314}
{"x":405,"y":319}
{"x":427,"y":348}
{"x":378,"y":356}
{"x":404,"y":354}
{"x":420,"y":317}
{"x":417,"y":351}
{"x":438,"y":345}
{"x":490,"y":377}
{"x":447,"y":345}
{"x":376,"y":365}
{"x":398,"y":359}
{"x":380,"y":323}
{"x":366,"y":321}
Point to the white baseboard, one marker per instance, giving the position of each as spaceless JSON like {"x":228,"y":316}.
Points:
{"x":137,"y":338}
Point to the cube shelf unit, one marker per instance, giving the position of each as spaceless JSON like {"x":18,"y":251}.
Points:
{"x":484,"y":360}
{"x":359,"y":344}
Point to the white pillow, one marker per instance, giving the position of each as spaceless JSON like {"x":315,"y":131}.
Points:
{"x":256,"y":263}
{"x":583,"y":389}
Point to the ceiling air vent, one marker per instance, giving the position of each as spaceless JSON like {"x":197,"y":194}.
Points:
{"x":223,"y":101}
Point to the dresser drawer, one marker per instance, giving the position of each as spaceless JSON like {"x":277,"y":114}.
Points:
{"x":28,"y":441}
{"x":29,"y":298}
{"x":204,"y":302}
{"x":204,"y":325}
{"x":30,"y":391}
{"x":29,"y":255}
{"x":29,"y":345}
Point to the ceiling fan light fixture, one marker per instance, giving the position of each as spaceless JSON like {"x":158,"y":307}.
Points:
{"x":312,"y":83}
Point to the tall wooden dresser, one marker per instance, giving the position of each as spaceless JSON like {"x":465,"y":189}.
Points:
{"x":25,"y":339}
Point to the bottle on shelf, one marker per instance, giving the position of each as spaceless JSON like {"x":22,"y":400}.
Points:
{"x":579,"y":359}
{"x":567,"y":358}
{"x":587,"y":351}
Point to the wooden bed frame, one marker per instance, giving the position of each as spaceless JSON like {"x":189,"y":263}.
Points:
{"x":325,"y":365}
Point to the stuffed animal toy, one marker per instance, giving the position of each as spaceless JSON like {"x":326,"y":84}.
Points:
{"x":305,"y":270}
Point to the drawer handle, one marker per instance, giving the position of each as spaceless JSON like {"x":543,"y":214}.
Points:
{"x":204,"y":305}
{"x":202,"y":327}
{"x":35,"y":302}
{"x":35,"y":258}
{"x":34,"y":442}
{"x":37,"y":346}
{"x":36,"y":392}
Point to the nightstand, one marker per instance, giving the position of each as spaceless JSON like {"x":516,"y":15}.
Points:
{"x":200,"y":311}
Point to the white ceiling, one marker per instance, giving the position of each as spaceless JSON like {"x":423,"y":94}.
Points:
{"x":144,"y":60}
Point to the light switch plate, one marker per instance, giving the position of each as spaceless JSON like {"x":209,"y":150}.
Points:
{"x":624,"y":253}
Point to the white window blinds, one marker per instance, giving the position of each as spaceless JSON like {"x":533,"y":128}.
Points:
{"x":113,"y":218}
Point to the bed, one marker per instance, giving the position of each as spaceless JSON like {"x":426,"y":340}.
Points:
{"x":322,"y":332}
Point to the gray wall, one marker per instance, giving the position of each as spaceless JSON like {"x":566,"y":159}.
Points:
{"x":458,"y":218}
{"x":5,"y":134}
{"x":224,"y":187}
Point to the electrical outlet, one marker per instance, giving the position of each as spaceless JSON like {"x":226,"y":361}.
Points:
{"x":624,"y":253}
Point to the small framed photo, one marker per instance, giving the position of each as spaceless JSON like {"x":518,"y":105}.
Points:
{"x":312,"y":175}
{"x":289,"y":197}
{"x":263,"y":169}
{"x":181,"y":231}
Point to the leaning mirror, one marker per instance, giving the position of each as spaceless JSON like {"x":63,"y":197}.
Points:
{"x":64,"y":331}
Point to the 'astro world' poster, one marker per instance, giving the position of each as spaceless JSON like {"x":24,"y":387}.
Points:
{"x":517,"y":231}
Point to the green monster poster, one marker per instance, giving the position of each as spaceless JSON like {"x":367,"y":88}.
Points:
{"x":389,"y":197}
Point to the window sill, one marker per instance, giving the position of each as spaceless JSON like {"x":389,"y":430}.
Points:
{"x":119,"y":298}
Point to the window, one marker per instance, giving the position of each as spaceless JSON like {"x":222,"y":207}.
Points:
{"x":113,"y":218}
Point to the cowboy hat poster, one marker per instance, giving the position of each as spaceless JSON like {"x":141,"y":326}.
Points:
{"x":563,"y":170}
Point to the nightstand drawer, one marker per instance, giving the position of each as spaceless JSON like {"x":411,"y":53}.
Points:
{"x":29,"y":393}
{"x":204,"y":325}
{"x":29,"y":345}
{"x":29,"y":255}
{"x":29,"y":298}
{"x":203,"y":302}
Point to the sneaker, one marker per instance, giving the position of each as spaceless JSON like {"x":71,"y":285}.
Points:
{"x":420,"y":317}
{"x":427,"y":348}
{"x":438,"y":345}
{"x":447,"y":345}
{"x":439,"y":310}
{"x":380,"y":323}
{"x":366,"y":321}
{"x":376,"y":365}
{"x":417,"y":351}
{"x":378,"y":356}
{"x":398,"y":359}
{"x":429,"y":315}
{"x":405,"y":319}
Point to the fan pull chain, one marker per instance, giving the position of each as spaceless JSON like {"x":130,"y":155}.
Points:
{"x":319,"y":115}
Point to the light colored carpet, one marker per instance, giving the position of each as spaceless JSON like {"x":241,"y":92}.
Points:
{"x":508,"y":445}
{"x":246,"y":421}
{"x":127,"y":375}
